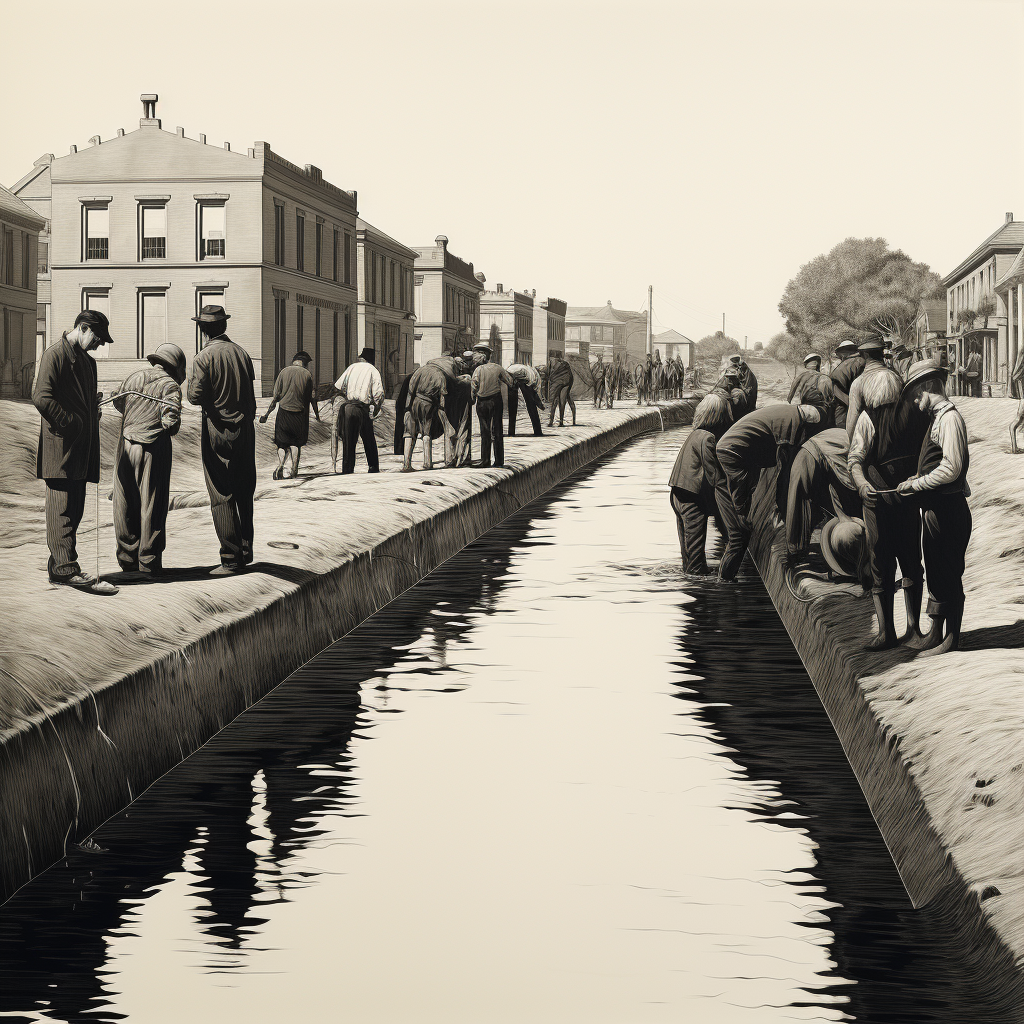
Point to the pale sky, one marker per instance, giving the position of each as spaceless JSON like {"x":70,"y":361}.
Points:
{"x":583,"y":149}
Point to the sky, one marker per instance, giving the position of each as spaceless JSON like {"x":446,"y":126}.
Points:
{"x":587,"y":150}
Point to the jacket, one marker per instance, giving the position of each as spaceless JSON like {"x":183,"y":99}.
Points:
{"x":221,"y":382}
{"x":696,"y":468}
{"x":144,"y":421}
{"x":759,"y":434}
{"x":65,"y":395}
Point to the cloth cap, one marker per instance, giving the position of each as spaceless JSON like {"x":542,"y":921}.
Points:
{"x":482,"y":347}
{"x":97,"y":323}
{"x":211,"y":315}
{"x":169,"y":356}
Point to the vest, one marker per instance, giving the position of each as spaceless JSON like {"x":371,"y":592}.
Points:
{"x":929,"y":459}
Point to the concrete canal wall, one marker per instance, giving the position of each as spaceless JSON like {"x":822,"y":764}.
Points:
{"x":937,"y":743}
{"x":102,"y":696}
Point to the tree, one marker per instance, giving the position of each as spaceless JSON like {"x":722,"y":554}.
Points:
{"x":861,"y":286}
{"x":716,"y":345}
{"x":787,"y":349}
{"x":758,"y":346}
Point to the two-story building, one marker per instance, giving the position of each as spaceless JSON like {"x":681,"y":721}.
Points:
{"x":506,"y":323}
{"x":19,"y":239}
{"x":150,"y":226}
{"x":34,"y":191}
{"x":386,"y":322}
{"x":930,"y":328}
{"x":446,"y":301}
{"x":1010,"y":289}
{"x":615,"y":333}
{"x":975,"y":307}
{"x":548,"y":329}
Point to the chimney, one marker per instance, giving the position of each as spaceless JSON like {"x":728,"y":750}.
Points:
{"x":202,"y":139}
{"x":441,"y":242}
{"x":180,"y":131}
{"x":533,"y":294}
{"x":149,"y":118}
{"x":501,"y":289}
{"x":1009,"y":218}
{"x":227,"y":146}
{"x":95,"y":140}
{"x":120,"y":133}
{"x":74,"y":149}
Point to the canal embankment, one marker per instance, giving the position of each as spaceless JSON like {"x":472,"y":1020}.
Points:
{"x":937,"y":744}
{"x":103,"y":695}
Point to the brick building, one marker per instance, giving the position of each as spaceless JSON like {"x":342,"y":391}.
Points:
{"x":446,"y":301}
{"x":548,"y":329}
{"x":385,"y":319}
{"x":512,"y":314}
{"x":19,"y":240}
{"x":613,"y":332}
{"x":150,"y":226}
{"x":976,"y":306}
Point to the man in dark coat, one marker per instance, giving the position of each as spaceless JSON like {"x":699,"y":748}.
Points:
{"x":68,"y":456}
{"x":849,"y":369}
{"x":150,"y":405}
{"x":294,"y":392}
{"x":747,"y":380}
{"x":597,"y":376}
{"x":765,"y":438}
{"x":728,"y":386}
{"x":698,"y":486}
{"x":222,"y":385}
{"x":560,"y":381}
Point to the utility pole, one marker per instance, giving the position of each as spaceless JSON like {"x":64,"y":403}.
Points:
{"x":744,"y":343}
{"x":723,"y":323}
{"x":650,"y":314}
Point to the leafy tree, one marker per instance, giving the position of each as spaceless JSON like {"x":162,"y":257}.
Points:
{"x":787,"y":349}
{"x":861,"y":286}
{"x":758,"y":346}
{"x":716,"y":345}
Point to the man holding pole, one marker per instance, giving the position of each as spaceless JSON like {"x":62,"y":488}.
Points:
{"x":68,"y":456}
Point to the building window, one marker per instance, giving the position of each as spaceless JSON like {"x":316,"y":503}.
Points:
{"x":348,"y":258}
{"x":98,"y":299}
{"x":349,"y":354}
{"x":43,"y":258}
{"x":384,"y":298}
{"x":319,"y":248}
{"x":334,"y":256}
{"x":212,"y":231}
{"x":152,"y":321}
{"x":280,"y":327}
{"x":300,"y":242}
{"x":391,"y":284}
{"x":97,"y":233}
{"x":335,"y":365}
{"x":279,"y":234}
{"x":206,"y":299}
{"x":316,"y":345}
{"x":300,"y":323}
{"x":154,"y":232}
{"x":370,"y":262}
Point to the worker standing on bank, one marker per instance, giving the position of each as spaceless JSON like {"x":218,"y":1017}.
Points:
{"x":747,"y":379}
{"x":361,"y":397}
{"x":872,"y":349}
{"x":222,"y":385}
{"x":597,"y":377}
{"x":850,"y":367}
{"x":940,"y":486}
{"x":560,"y":382}
{"x":527,"y":384}
{"x":68,"y":456}
{"x":488,"y":378}
{"x":293,"y":391}
{"x":142,"y":467}
{"x":810,"y":377}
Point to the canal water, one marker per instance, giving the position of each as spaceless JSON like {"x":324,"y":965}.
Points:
{"x":557,"y":782}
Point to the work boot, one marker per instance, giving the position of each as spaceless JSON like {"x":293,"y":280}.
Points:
{"x":912,"y":597}
{"x":932,"y":638}
{"x":954,"y":619}
{"x":885,"y":638}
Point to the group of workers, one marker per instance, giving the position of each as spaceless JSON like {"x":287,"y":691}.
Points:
{"x":876,"y":448}
{"x":435,"y":399}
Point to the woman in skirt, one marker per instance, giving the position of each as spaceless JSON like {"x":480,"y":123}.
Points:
{"x":293,"y":393}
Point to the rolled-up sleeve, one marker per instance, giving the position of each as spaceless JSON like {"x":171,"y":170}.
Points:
{"x":862,"y":442}
{"x":170,"y":413}
{"x":951,"y":434}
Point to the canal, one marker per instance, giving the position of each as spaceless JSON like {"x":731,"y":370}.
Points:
{"x":557,"y":782}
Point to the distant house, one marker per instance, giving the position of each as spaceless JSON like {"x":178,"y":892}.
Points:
{"x":930,"y":328}
{"x":671,"y":344}
{"x":605,"y":329}
{"x":975,"y":309}
{"x":19,"y":239}
{"x":1010,"y":289}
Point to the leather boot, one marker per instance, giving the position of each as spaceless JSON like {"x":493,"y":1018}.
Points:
{"x":885,"y":638}
{"x":912,"y":597}
{"x":954,"y":619}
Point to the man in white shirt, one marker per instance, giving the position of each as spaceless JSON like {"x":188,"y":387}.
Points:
{"x":940,"y":486}
{"x":527,"y":381}
{"x":361,"y":397}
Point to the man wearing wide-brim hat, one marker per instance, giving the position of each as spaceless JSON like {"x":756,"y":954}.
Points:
{"x":872,"y":349}
{"x":850,"y":367}
{"x":810,"y":378}
{"x":294,"y":391}
{"x":150,"y":405}
{"x":222,"y":384}
{"x":940,"y":487}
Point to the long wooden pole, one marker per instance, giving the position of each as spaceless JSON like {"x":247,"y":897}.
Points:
{"x":650,"y":314}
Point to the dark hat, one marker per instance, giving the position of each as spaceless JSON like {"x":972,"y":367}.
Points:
{"x":923,"y":369}
{"x":97,"y":323}
{"x":304,"y":356}
{"x":170,"y":357}
{"x":842,"y":544}
{"x":872,"y":344}
{"x":736,"y":358}
{"x":369,"y":355}
{"x":211,"y":315}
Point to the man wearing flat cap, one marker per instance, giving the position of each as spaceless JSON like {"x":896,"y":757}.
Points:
{"x":150,"y":405}
{"x":68,"y":456}
{"x":850,"y":367}
{"x":361,"y":397}
{"x":222,"y":385}
{"x":293,"y":391}
{"x":488,"y":378}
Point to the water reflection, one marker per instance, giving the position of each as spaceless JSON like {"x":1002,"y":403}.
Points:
{"x":655,"y":772}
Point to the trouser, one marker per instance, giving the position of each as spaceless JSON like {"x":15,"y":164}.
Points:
{"x":229,"y":465}
{"x":737,"y":535}
{"x":489,"y":412}
{"x":946,"y":530}
{"x":599,"y":390}
{"x":530,"y":399}
{"x":65,"y":506}
{"x":893,"y":535}
{"x":692,"y":528}
{"x":809,"y":478}
{"x":356,"y":424}
{"x":741,"y":478}
{"x":459,"y":435}
{"x":558,"y":401}
{"x":142,"y":491}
